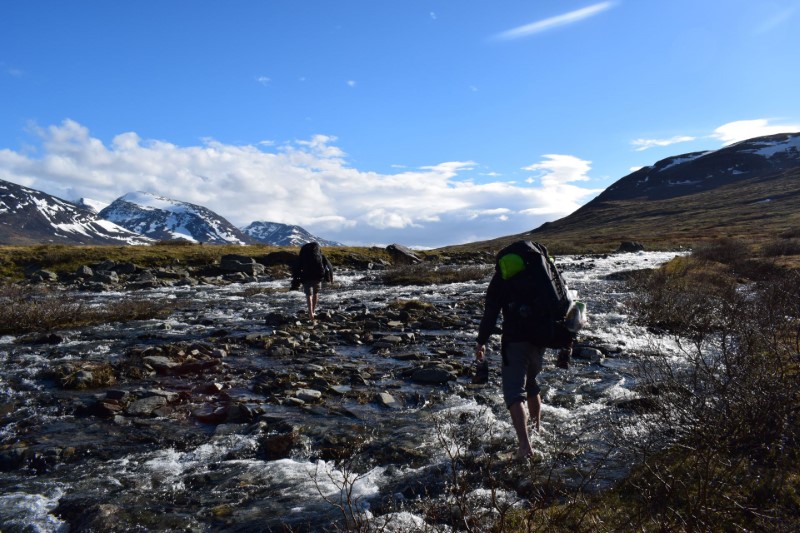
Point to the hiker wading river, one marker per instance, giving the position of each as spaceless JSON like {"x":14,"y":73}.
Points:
{"x":533,"y":297}
{"x":310,"y":270}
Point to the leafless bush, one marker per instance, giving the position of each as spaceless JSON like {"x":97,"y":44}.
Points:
{"x":25,"y":309}
{"x":727,"y":416}
{"x":791,"y":233}
{"x":725,"y":250}
{"x":781,"y":247}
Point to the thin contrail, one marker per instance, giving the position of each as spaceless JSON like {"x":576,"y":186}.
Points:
{"x":553,"y":22}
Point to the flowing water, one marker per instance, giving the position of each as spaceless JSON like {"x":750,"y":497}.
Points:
{"x":176,"y":473}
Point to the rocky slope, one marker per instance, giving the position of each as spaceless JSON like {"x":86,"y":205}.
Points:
{"x":279,"y":234}
{"x":28,"y":216}
{"x":165,"y":219}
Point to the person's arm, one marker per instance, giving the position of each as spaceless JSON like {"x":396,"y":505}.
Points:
{"x":490,"y":313}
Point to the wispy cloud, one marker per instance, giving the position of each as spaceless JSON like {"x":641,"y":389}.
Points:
{"x":263,"y":80}
{"x":351,"y":83}
{"x":644,"y":144}
{"x":775,"y":20}
{"x":741,"y":130}
{"x":553,"y":22}
{"x":555,"y":174}
{"x":311,"y":183}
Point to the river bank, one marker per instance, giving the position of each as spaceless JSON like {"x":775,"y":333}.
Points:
{"x":235,"y":413}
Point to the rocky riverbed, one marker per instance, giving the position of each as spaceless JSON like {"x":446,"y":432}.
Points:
{"x":236,"y":413}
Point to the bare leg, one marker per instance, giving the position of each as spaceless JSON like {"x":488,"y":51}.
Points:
{"x":535,"y":408}
{"x":519,"y":418}
{"x":310,"y":300}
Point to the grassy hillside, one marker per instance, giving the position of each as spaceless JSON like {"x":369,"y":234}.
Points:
{"x":760,"y":210}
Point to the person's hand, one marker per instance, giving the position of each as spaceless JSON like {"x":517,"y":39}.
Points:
{"x":480,"y":352}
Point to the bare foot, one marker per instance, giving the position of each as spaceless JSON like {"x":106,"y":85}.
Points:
{"x":524,"y":453}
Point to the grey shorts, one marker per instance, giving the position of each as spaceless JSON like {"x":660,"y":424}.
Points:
{"x":311,"y":287}
{"x":522,"y":362}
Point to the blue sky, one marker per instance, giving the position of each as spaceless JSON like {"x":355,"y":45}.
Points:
{"x":370,"y":122}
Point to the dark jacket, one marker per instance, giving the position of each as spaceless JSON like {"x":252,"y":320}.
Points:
{"x":299,"y":275}
{"x":496,"y":298}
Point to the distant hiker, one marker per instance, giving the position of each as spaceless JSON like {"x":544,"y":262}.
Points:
{"x":530,"y":292}
{"x":310,"y":270}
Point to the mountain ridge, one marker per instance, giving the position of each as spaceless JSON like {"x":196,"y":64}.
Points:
{"x":747,"y":189}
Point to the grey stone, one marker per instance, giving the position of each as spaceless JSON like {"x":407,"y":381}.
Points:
{"x":432,"y":376}
{"x":401,"y":255}
{"x":146,"y":406}
{"x":309,"y":395}
{"x":387,"y":400}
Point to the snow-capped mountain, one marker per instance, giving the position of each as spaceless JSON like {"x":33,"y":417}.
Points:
{"x":164,"y":219}
{"x":700,"y":171}
{"x":93,"y":205}
{"x":279,"y":234}
{"x":28,"y":216}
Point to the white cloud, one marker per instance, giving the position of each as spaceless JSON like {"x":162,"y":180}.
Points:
{"x":351,"y":83}
{"x":553,"y":22}
{"x":263,"y":80}
{"x":560,"y":169}
{"x":644,"y":144}
{"x":310,"y":183}
{"x":741,"y":130}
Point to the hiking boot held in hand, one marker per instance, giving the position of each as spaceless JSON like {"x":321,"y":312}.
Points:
{"x":481,"y":373}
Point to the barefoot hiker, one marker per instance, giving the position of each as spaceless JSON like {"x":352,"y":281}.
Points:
{"x":524,"y":288}
{"x":310,"y":269}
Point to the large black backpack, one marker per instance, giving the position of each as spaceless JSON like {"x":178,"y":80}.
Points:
{"x":535,"y":296}
{"x":311,"y":265}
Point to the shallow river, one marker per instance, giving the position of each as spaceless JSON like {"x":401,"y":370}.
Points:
{"x":161,"y":474}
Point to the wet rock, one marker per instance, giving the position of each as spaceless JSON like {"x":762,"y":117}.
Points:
{"x":280,"y":351}
{"x":146,"y":406}
{"x":432,"y":376}
{"x":387,"y":400}
{"x":108,"y":408}
{"x":13,"y":456}
{"x":106,"y":277}
{"x":241,"y":264}
{"x":85,"y":375}
{"x":160,"y":363}
{"x":642,"y":405}
{"x":340,"y":389}
{"x":84,"y":272}
{"x":279,"y":446}
{"x":196,"y":367}
{"x":630,"y":246}
{"x":208,"y":388}
{"x":41,"y":276}
{"x":126,"y":268}
{"x":210,"y":414}
{"x":309,"y":395}
{"x":40,"y":338}
{"x":592,"y":354}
